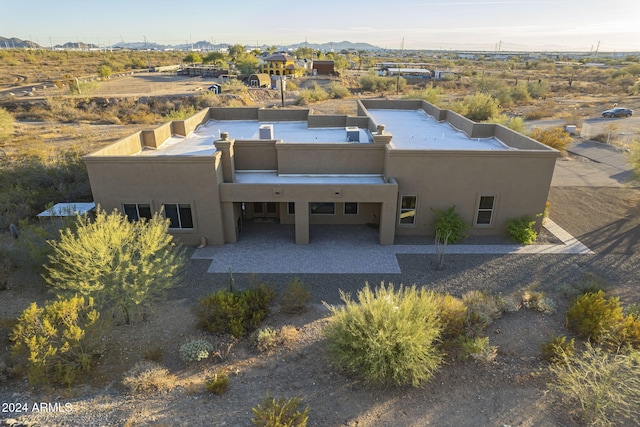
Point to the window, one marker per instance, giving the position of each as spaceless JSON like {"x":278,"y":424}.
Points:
{"x":137,"y":211}
{"x":351,"y":208}
{"x":486,"y":206}
{"x":179,"y":215}
{"x":322,"y":208}
{"x":408,"y":209}
{"x":291,"y":208}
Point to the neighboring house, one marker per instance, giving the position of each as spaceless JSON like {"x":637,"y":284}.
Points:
{"x":259,"y":80}
{"x":323,"y":68}
{"x":279,"y":65}
{"x":388,"y":166}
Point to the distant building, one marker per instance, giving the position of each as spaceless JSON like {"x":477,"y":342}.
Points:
{"x":388,"y":166}
{"x":323,"y":68}
{"x":259,"y":80}
{"x":279,"y":65}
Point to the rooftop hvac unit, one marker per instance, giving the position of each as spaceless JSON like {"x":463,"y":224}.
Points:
{"x":266,"y":132}
{"x":353,"y":134}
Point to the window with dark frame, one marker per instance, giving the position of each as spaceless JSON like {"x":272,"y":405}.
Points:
{"x":485,"y":210}
{"x":179,"y":215}
{"x":322,"y":208}
{"x":291,"y":208}
{"x":137,"y":211}
{"x":350,"y":208}
{"x":408,"y":209}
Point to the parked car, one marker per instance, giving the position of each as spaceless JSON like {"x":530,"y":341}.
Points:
{"x":617,"y":112}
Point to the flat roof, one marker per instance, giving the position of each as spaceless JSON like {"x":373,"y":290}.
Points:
{"x":201,"y":141}
{"x":417,"y":130}
{"x":272,"y":177}
{"x":67,"y":209}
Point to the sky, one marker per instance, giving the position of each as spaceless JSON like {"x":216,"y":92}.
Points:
{"x":489,"y":25}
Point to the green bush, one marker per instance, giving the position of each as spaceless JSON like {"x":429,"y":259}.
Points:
{"x":281,"y":412}
{"x":295,"y":297}
{"x":521,"y":229}
{"x":388,"y":336}
{"x":588,"y":283}
{"x":481,"y":107}
{"x":308,"y":96}
{"x":338,"y":91}
{"x":478,"y":348}
{"x":7,"y":124}
{"x":267,"y":339}
{"x":594,"y":316}
{"x":605,"y":386}
{"x":482,"y":309}
{"x":556,"y":138}
{"x":58,"y":341}
{"x":217,"y":383}
{"x":453,"y":314}
{"x":374,"y":83}
{"x":234,"y":312}
{"x":558,"y":349}
{"x":449,"y":222}
{"x":195,"y":350}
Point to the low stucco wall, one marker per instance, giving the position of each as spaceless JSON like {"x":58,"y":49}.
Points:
{"x":344,"y":158}
{"x":255,"y":155}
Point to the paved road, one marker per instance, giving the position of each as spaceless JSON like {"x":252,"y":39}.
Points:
{"x":592,"y":164}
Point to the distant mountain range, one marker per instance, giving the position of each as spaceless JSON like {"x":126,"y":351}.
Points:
{"x":15,"y":43}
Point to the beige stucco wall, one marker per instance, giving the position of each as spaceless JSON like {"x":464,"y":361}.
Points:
{"x":157,"y":180}
{"x":330,"y":158}
{"x":520,"y":180}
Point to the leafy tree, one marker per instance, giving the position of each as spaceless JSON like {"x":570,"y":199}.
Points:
{"x":217,"y":58}
{"x":119,"y":263}
{"x":247,"y":63}
{"x":553,"y":137}
{"x":304,"y":53}
{"x":236,"y":50}
{"x":193,"y":58}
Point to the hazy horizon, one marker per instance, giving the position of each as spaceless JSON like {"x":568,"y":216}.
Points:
{"x":489,"y":25}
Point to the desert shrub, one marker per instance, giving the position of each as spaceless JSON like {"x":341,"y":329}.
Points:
{"x":453,"y":313}
{"x":295,"y":297}
{"x":520,"y":93}
{"x":588,"y":283}
{"x":234,"y":312}
{"x":280,"y":412}
{"x":482,"y":309}
{"x":58,"y":341}
{"x":539,"y":89}
{"x":521,"y":229}
{"x":148,"y":377}
{"x":180,"y":114}
{"x":605,"y":386}
{"x":308,"y":96}
{"x":553,"y":137}
{"x":387,"y":336}
{"x":7,"y":124}
{"x":480,"y":107}
{"x":593,"y":315}
{"x":153,"y":352}
{"x":478,"y":348}
{"x":338,"y":91}
{"x":195,"y":350}
{"x":449,"y":223}
{"x":558,"y":349}
{"x":536,"y":300}
{"x":267,"y":339}
{"x":429,"y":94}
{"x":513,"y":123}
{"x":633,"y":158}
{"x":375,"y":83}
{"x":217,"y":383}
{"x":537,"y":114}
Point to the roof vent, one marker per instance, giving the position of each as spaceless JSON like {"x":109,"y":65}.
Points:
{"x":353,"y":134}
{"x":266,"y":132}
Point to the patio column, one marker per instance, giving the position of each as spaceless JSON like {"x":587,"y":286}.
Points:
{"x":302,"y":223}
{"x":387,"y":223}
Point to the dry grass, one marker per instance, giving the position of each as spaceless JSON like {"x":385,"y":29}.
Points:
{"x":149,"y":377}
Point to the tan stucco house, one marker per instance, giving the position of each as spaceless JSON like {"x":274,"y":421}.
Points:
{"x":387,"y":167}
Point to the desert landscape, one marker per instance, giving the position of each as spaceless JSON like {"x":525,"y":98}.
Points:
{"x":510,"y":389}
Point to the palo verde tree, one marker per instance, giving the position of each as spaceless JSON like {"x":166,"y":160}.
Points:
{"x":119,"y":263}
